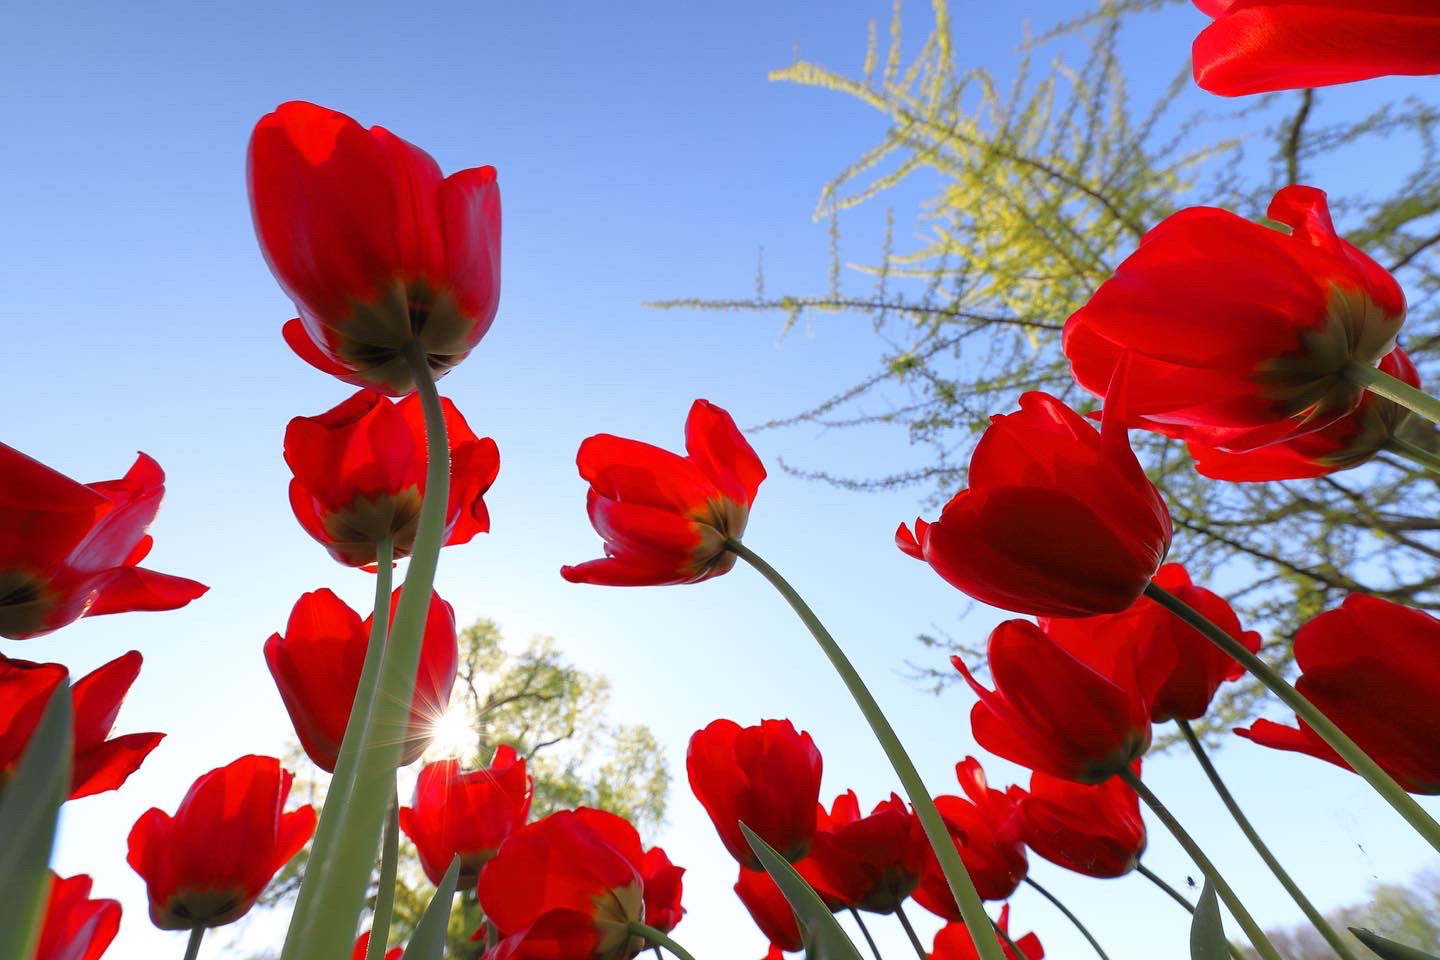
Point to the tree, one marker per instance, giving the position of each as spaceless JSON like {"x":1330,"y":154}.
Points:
{"x":554,"y":714}
{"x":1408,"y":915}
{"x":1040,"y":190}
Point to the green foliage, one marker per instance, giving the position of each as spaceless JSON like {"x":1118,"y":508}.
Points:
{"x":1407,"y":915}
{"x":1037,"y":190}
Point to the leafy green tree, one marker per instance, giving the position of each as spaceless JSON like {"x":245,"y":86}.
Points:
{"x":554,"y":714}
{"x":1405,"y":914}
{"x":1040,"y":188}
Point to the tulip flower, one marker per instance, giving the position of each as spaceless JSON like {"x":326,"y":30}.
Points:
{"x":769,"y":909}
{"x":1053,"y":712}
{"x":378,"y":250}
{"x":977,"y":822}
{"x":363,"y":944}
{"x":1093,"y":830}
{"x":360,"y":476}
{"x":1198,"y":666}
{"x":76,"y":927}
{"x":317,"y":663}
{"x":1058,"y":520}
{"x":566,"y":886}
{"x":1373,"y":668}
{"x":207,"y":865}
{"x":765,"y":776}
{"x":1348,"y":442}
{"x":953,"y":942}
{"x":870,"y":863}
{"x":1257,"y":46}
{"x":71,"y":550}
{"x":663,"y":890}
{"x":1255,"y":360}
{"x":466,"y":814}
{"x":665,"y":518}
{"x":101,"y":762}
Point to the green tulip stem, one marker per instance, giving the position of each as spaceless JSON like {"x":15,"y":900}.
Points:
{"x":1170,"y":891}
{"x":1415,"y":453}
{"x":1074,"y":920}
{"x":1379,"y":382}
{"x":1349,"y":751}
{"x":910,"y":932}
{"x":659,"y":939}
{"x":865,"y":932}
{"x":1257,"y":937}
{"x":332,"y":893}
{"x":192,"y":949}
{"x":1004,"y":934}
{"x":972,"y":909}
{"x":385,"y":892}
{"x":1306,"y":907}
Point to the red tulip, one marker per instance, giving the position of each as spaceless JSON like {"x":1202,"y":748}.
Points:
{"x":317,"y":664}
{"x":469,"y":814}
{"x":1373,"y":668}
{"x":1348,"y":442}
{"x":71,"y":550}
{"x":376,"y":248}
{"x":870,"y":863}
{"x":567,"y":887}
{"x":1250,"y":361}
{"x":363,"y":944}
{"x":1256,"y":46}
{"x":76,"y":927}
{"x":1058,"y":520}
{"x":663,"y":890}
{"x":1094,"y":830}
{"x":101,"y":763}
{"x":1053,"y":712}
{"x":766,"y":776}
{"x":665,"y":518}
{"x":208,"y":863}
{"x":995,"y":860}
{"x":769,"y":909}
{"x":953,"y":942}
{"x":1147,"y":630}
{"x":360,"y":475}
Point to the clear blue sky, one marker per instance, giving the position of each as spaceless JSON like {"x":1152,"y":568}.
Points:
{"x":642,"y":154}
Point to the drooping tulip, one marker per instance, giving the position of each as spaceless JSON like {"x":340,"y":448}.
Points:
{"x":380,"y":253}
{"x":1257,"y":46}
{"x":766,"y":776}
{"x":466,"y":814}
{"x":359,"y":476}
{"x":1093,"y":830}
{"x":664,"y":890}
{"x":207,"y":864}
{"x":994,"y":858}
{"x":1373,"y":668}
{"x":870,"y":863}
{"x":1058,"y":520}
{"x":1255,"y":360}
{"x":75,"y":926}
{"x":316,"y":665}
{"x":665,"y":518}
{"x":1051,"y":711}
{"x":71,"y":550}
{"x":1148,"y":631}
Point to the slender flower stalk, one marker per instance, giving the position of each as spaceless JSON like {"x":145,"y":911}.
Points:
{"x":972,"y":910}
{"x":659,"y":939}
{"x":910,"y":932}
{"x":332,"y":893}
{"x":865,"y":932}
{"x":1415,"y":453}
{"x":1055,"y":901}
{"x":385,"y":892}
{"x":1308,"y":908}
{"x":1169,"y":891}
{"x":1257,"y":937}
{"x":1004,"y":934}
{"x":1392,"y":388}
{"x":1357,"y":758}
{"x":192,"y":949}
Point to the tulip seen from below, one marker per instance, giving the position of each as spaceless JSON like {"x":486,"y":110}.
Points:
{"x":1093,"y":830}
{"x":953,"y":942}
{"x":867,"y":862}
{"x":466,"y":814}
{"x":977,"y":821}
{"x":76,"y":927}
{"x":769,"y":909}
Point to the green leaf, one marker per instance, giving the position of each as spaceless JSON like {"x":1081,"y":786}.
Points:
{"x":428,"y":940}
{"x":29,"y":808}
{"x":824,"y":938}
{"x":1207,"y":932}
{"x":1389,"y":949}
